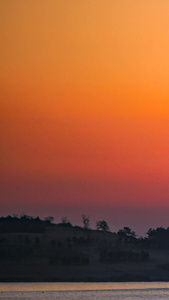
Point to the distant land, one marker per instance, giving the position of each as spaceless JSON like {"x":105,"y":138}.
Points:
{"x":38,"y":250}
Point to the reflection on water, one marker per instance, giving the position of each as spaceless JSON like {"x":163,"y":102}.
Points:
{"x":81,"y":286}
{"x":84,"y":291}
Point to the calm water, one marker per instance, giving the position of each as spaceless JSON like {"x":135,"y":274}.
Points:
{"x":83,"y":291}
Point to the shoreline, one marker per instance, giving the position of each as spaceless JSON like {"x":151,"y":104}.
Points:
{"x":76,"y":281}
{"x":123,"y":278}
{"x":126,"y":272}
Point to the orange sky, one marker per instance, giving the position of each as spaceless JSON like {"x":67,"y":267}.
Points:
{"x":84,"y":103}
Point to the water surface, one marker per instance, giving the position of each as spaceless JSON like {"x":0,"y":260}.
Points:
{"x":84,"y":291}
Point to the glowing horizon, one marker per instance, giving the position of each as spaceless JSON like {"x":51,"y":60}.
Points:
{"x":84,"y":103}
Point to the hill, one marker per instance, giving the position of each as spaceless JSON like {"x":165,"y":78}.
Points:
{"x":32,"y":249}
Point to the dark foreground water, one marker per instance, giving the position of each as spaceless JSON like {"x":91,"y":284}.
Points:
{"x":83,"y":291}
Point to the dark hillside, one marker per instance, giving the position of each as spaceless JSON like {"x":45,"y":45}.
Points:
{"x":32,"y":249}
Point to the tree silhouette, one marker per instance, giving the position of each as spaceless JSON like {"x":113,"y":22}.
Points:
{"x":65,"y":220}
{"x":49,"y":219}
{"x":126,"y":232}
{"x":86,"y":222}
{"x":102,"y":225}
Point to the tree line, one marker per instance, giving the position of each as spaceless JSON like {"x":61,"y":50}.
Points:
{"x":158,"y":237}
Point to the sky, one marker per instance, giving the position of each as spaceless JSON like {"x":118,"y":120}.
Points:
{"x":84,"y":110}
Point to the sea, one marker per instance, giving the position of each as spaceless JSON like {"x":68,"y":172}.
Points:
{"x":85,"y":291}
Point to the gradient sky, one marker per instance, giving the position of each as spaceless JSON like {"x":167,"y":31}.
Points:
{"x":85,"y":110}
